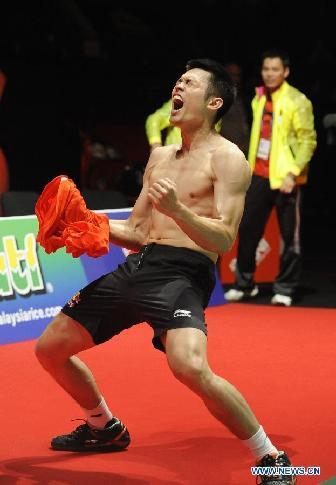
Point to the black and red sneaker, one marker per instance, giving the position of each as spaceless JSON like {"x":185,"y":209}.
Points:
{"x":114,"y":437}
{"x":281,"y":460}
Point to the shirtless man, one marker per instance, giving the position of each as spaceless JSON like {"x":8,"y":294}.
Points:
{"x":188,"y":212}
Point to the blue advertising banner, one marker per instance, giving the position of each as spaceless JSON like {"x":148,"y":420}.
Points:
{"x":34,"y":285}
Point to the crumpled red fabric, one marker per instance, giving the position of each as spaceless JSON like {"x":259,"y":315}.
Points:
{"x":64,"y":220}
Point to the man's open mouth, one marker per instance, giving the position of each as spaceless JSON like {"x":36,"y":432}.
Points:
{"x":177,"y":104}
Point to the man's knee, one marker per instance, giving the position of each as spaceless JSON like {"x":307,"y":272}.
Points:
{"x":60,"y":340}
{"x":189,"y":367}
{"x":51,"y":347}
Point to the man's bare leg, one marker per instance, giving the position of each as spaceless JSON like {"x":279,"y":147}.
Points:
{"x":186,"y":355}
{"x":56,"y":349}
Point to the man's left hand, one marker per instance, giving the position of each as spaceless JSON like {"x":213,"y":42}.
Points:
{"x":288,"y":184}
{"x":163,"y":196}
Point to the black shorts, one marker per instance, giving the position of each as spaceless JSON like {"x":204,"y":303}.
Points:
{"x":166,"y":286}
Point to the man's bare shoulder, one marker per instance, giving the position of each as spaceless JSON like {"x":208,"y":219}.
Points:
{"x":161,"y":153}
{"x":227,"y":148}
{"x":229,"y":161}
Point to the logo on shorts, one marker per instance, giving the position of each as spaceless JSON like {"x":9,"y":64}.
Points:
{"x":182,"y":313}
{"x":74,"y":300}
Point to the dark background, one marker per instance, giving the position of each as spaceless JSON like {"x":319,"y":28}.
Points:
{"x":72,"y":64}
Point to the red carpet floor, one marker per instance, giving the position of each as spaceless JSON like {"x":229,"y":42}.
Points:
{"x":282,"y":360}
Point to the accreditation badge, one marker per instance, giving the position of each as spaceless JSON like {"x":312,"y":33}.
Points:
{"x":264,"y":149}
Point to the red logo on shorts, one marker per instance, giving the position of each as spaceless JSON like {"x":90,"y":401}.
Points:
{"x":74,"y":300}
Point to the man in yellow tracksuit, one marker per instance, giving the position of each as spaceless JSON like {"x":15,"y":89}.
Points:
{"x":282,"y":142}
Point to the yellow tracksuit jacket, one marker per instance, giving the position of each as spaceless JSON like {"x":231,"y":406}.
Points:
{"x":293,"y":136}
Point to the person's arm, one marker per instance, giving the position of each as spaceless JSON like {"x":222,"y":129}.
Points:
{"x":303,"y":124}
{"x":156,"y":122}
{"x":132,"y":233}
{"x":217,"y":233}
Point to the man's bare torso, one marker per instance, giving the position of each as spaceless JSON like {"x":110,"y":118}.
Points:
{"x":193,"y":174}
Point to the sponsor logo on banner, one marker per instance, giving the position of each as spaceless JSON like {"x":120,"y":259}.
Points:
{"x":20,"y":271}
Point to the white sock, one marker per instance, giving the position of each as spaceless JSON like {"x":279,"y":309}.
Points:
{"x":260,"y":444}
{"x":99,"y":416}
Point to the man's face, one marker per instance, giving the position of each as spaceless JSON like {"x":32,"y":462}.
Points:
{"x":189,"y":97}
{"x":273,"y":72}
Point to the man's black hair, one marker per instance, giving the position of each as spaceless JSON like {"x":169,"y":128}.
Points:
{"x":220,"y":85}
{"x":274,"y":52}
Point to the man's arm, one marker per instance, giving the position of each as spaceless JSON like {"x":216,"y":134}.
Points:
{"x":232,"y":179}
{"x":303,"y":124}
{"x":305,"y":143}
{"x":133,"y":232}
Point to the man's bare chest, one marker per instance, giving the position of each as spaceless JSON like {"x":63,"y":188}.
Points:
{"x":193,"y":178}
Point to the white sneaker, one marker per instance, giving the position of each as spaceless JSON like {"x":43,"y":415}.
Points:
{"x":283,"y":300}
{"x":237,"y":295}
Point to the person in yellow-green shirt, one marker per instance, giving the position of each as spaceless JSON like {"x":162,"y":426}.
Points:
{"x":282,"y":142}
